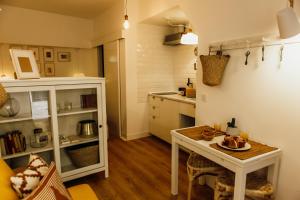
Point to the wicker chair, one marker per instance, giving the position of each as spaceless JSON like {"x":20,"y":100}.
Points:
{"x":198,"y":166}
{"x":257,"y":187}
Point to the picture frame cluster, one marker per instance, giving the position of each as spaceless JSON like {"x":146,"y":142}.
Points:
{"x":46,"y":57}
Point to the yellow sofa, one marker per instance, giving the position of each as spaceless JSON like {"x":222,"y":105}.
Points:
{"x":78,"y":192}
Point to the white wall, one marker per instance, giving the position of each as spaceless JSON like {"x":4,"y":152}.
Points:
{"x":108,"y":24}
{"x":154,"y":62}
{"x":183,"y":65}
{"x":25,"y":26}
{"x":262,"y":96}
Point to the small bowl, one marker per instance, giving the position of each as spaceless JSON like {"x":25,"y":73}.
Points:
{"x":208,"y":136}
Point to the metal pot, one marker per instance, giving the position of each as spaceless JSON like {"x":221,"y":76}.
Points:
{"x":87,"y":128}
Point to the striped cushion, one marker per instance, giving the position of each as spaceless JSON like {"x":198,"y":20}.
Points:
{"x":51,"y":187}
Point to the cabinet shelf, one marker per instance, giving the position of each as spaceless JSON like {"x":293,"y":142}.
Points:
{"x":79,"y":140}
{"x":76,"y":111}
{"x":29,"y":150}
{"x":18,"y":118}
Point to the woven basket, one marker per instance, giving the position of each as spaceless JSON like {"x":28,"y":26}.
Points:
{"x":213,"y":67}
{"x":3,"y":96}
{"x":84,"y":156}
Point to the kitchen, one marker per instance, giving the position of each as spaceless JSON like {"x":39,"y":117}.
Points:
{"x":165,"y":66}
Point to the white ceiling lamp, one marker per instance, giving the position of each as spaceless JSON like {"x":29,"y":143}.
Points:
{"x":126,"y":23}
{"x":288,"y":23}
{"x":189,"y":38}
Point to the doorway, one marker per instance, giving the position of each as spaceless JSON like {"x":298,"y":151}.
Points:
{"x":112,"y":60}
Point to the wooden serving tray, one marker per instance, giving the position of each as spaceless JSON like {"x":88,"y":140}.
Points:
{"x":195,"y":133}
{"x":256,"y":150}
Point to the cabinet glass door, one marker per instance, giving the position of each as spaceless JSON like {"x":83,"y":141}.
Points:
{"x":78,"y":128}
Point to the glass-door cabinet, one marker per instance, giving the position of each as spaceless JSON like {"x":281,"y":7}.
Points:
{"x":61,"y":119}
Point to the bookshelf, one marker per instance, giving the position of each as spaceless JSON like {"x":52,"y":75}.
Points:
{"x":29,"y":150}
{"x":57,"y":92}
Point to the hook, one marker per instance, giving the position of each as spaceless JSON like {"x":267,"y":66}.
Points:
{"x":263,"y":53}
{"x":209,"y":49}
{"x":247,"y":54}
{"x":281,"y":52}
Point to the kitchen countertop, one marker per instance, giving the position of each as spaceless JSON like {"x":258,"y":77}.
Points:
{"x":173,"y":96}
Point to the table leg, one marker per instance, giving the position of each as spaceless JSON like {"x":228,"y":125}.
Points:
{"x":240,"y":185}
{"x":174,"y":177}
{"x":273,"y":173}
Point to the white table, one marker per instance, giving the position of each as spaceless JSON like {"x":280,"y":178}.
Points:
{"x":240,"y":167}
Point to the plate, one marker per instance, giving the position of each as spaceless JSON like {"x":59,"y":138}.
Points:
{"x":245,"y":148}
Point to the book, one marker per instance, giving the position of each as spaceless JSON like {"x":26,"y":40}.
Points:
{"x":2,"y":146}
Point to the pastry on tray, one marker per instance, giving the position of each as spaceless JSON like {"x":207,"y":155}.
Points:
{"x":234,"y":142}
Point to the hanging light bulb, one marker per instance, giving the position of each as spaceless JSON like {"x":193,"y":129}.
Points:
{"x":189,"y":38}
{"x":288,"y":23}
{"x":126,"y":23}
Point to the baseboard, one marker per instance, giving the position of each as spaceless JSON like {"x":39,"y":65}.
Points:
{"x":137,"y":136}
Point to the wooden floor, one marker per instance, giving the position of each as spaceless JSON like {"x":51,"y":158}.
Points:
{"x":141,"y":170}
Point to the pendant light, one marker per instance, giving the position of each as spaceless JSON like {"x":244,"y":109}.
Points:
{"x":288,"y":23}
{"x":188,"y":37}
{"x":126,"y":24}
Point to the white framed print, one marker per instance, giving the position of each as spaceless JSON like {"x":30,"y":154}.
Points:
{"x":48,"y":54}
{"x":64,"y":56}
{"x":24,"y":63}
{"x":49,"y":69}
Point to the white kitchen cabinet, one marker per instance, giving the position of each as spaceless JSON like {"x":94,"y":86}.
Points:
{"x":59,"y":121}
{"x":166,"y":114}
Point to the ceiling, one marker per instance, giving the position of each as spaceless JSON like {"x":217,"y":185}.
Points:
{"x":173,"y":16}
{"x":77,"y":8}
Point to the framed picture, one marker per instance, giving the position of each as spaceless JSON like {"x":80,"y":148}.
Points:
{"x":48,"y":55}
{"x":49,"y":69}
{"x":35,"y":52}
{"x":24,"y":63}
{"x":64,"y":56}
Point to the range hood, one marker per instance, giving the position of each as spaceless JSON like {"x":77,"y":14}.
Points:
{"x":173,"y":39}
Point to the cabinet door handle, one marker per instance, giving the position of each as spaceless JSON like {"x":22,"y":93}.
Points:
{"x":153,"y":97}
{"x":153,"y":117}
{"x":161,"y":99}
{"x":100,"y":126}
{"x":153,"y":107}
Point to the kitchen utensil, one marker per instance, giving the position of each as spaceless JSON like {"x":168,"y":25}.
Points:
{"x":87,"y":128}
{"x":247,"y":54}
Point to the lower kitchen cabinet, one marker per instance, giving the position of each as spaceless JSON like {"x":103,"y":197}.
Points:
{"x":166,"y":115}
